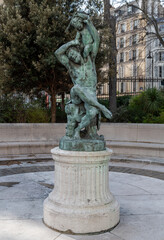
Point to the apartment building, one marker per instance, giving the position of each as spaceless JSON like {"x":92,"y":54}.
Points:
{"x":140,"y":53}
{"x":155,"y":53}
{"x":131,"y":46}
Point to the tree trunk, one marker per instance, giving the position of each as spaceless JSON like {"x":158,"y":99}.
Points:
{"x":110,"y":23}
{"x":112,"y":95}
{"x":53,"y":107}
{"x":112,"y":67}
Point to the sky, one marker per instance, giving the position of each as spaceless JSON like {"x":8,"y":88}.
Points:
{"x":116,"y":3}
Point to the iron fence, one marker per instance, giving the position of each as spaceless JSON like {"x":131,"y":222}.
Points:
{"x":129,"y":86}
{"x":124,"y":86}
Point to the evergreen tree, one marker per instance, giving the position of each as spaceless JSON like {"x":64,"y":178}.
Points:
{"x":30,"y":33}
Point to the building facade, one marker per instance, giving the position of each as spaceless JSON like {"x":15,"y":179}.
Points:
{"x":155,"y":53}
{"x":131,"y":46}
{"x":140,"y":54}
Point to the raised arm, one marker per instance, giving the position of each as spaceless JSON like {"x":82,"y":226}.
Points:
{"x":95,"y":36}
{"x":60,"y":53}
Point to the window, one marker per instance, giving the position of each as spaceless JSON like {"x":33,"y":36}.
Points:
{"x":134,"y":39}
{"x":160,"y":45}
{"x":156,"y":71}
{"x":160,"y":71}
{"x":130,"y":41}
{"x":121,"y":42}
{"x":123,"y":28}
{"x":134,"y":70}
{"x":134,"y":86}
{"x":130,"y":9}
{"x":130,"y":55}
{"x":122,"y":87}
{"x":119,"y":28}
{"x":118,"y":13}
{"x":161,"y":28}
{"x":134,"y":54}
{"x":135,"y":26}
{"x":118,"y":44}
{"x":122,"y":57}
{"x":156,"y":43}
{"x":161,"y":56}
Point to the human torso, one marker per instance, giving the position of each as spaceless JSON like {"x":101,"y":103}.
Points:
{"x":84,"y":74}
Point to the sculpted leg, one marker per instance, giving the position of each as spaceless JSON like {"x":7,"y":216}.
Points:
{"x":87,"y":50}
{"x":72,"y":112}
{"x":91,"y":113}
{"x":90,"y":99}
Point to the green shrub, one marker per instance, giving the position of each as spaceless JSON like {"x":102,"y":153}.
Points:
{"x":160,"y":119}
{"x":153,"y":119}
{"x":37,"y":115}
{"x":61,"y":116}
{"x":147,"y":107}
{"x":123,"y":100}
{"x":121,"y":115}
{"x":150,"y":101}
{"x":12,"y":109}
{"x":104,"y":102}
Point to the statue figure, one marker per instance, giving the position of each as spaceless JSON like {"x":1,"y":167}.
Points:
{"x":78,"y":56}
{"x":83,"y":33}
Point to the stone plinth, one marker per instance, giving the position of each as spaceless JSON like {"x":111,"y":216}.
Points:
{"x":81,"y":201}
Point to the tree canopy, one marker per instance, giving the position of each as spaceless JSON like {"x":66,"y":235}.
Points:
{"x":30,"y":33}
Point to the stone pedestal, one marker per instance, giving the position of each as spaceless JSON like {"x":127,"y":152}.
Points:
{"x":81,"y":201}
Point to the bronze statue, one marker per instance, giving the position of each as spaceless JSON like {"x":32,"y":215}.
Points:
{"x":83,"y":110}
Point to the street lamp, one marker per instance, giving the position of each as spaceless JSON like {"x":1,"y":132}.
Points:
{"x":152,"y":65}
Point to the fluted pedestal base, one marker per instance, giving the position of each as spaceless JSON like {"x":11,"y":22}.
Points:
{"x":81,"y":201}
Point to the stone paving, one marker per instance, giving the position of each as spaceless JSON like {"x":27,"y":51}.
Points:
{"x":139,"y":188}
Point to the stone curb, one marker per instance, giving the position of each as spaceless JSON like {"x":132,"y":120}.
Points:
{"x":130,"y":170}
{"x":47,"y":157}
{"x":137,"y":159}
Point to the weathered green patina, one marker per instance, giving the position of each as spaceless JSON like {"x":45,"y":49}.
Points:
{"x":83,"y":110}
